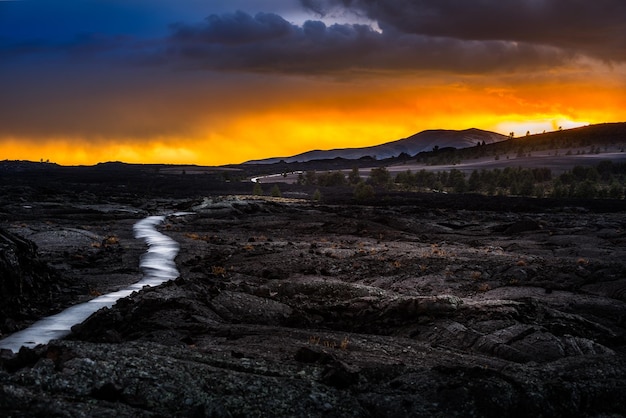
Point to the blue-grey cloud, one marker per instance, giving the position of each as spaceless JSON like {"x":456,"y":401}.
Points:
{"x":268,"y":43}
{"x":594,"y":28}
{"x":236,"y":28}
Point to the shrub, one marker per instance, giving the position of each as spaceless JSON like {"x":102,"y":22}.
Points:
{"x":354,"y":177}
{"x":275,"y":192}
{"x":331,"y":179}
{"x":380,"y":177}
{"x":363,"y":192}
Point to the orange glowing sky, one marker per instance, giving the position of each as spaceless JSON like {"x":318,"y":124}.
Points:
{"x":239,"y":85}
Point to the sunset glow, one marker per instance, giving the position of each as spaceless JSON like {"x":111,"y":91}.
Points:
{"x":239,"y":85}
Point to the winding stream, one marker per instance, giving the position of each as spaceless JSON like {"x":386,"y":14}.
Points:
{"x":158,"y":267}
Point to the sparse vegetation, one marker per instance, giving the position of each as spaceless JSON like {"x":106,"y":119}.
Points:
{"x":354,"y":177}
{"x":275,"y":192}
{"x":218,"y":271}
{"x":606,"y":180}
{"x":363,"y":192}
{"x":330,"y":343}
{"x":257,"y":190}
{"x":380,"y":177}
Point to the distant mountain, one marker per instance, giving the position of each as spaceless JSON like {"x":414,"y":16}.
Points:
{"x":423,"y":141}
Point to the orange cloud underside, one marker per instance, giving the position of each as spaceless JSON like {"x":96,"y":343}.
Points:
{"x":330,"y":114}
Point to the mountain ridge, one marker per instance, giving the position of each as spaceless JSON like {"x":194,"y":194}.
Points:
{"x":414,"y":144}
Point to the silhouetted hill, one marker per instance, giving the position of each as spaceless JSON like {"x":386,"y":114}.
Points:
{"x":423,"y":141}
{"x":593,"y":139}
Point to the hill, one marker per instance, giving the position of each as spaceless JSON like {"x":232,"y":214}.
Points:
{"x":420,"y":142}
{"x":602,"y":140}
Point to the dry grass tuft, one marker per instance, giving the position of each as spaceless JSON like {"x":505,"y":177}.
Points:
{"x":218,"y":271}
{"x":329,"y":343}
{"x":484,"y":287}
{"x":111,"y":240}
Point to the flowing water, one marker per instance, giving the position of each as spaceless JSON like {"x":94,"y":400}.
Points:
{"x":158,"y":267}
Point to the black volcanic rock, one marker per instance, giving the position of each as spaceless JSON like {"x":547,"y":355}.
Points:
{"x":429,"y":305}
{"x":26,"y":282}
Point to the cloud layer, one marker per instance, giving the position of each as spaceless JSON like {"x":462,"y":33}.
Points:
{"x":454,"y":36}
{"x":268,"y":43}
{"x":593,"y":28}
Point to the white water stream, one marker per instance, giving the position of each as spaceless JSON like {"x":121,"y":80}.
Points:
{"x":158,"y":267}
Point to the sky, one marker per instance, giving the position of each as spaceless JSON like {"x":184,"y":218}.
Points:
{"x":214,"y":82}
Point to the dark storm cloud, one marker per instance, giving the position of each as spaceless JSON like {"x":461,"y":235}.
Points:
{"x":595,"y":28}
{"x":268,"y":43}
{"x":237,"y":28}
{"x":482,"y":36}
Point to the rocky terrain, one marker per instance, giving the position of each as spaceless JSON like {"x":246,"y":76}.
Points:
{"x":284,"y":308}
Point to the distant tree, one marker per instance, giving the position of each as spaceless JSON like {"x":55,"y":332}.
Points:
{"x":456,"y":180}
{"x":442,"y":177}
{"x":616,"y":190}
{"x":310,"y":178}
{"x":542,"y":174}
{"x":354,"y":177}
{"x":275,"y":192}
{"x":527,"y":185}
{"x":605,"y":169}
{"x":331,"y":179}
{"x":585,"y":173}
{"x":363,"y":192}
{"x":406,"y":178}
{"x":587,"y":189}
{"x":527,"y":133}
{"x":558,"y":190}
{"x":474,"y":181}
{"x":540,"y":191}
{"x":380,"y":177}
{"x":317,"y":196}
{"x":514,"y":188}
{"x":425,"y":178}
{"x":257,"y":190}
{"x":566,"y":178}
{"x":511,"y":135}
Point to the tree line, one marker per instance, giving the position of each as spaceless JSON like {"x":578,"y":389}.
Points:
{"x":605,"y":180}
